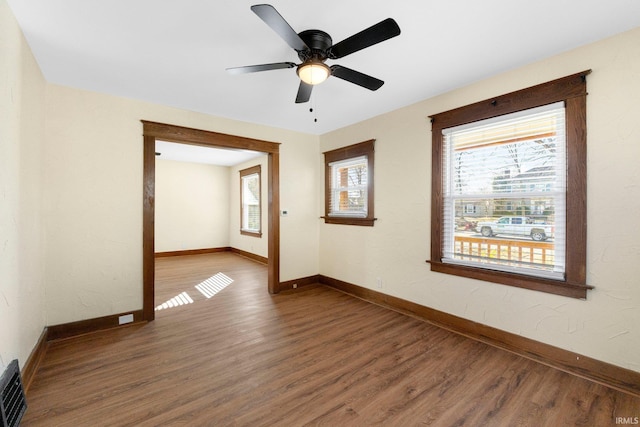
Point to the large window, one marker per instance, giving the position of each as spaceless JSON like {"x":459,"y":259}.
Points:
{"x":250,"y":206}
{"x":512,"y":170}
{"x":509,"y":189}
{"x":349,"y":185}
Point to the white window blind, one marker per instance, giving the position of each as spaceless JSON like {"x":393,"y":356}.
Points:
{"x":509,"y":174}
{"x":349,"y":187}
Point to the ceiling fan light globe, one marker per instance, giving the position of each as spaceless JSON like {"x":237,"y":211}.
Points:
{"x":313,"y":73}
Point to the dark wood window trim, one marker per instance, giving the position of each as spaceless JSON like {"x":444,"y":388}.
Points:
{"x":573,"y":91}
{"x":365,"y":148}
{"x":245,"y":172}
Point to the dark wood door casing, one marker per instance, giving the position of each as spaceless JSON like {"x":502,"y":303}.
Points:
{"x":153,"y":131}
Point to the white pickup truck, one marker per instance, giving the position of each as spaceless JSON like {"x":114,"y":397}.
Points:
{"x":516,"y":226}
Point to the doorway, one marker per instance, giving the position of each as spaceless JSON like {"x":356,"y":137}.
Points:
{"x":183,"y":135}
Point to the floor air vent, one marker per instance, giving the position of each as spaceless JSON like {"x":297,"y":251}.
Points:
{"x":14,"y":404}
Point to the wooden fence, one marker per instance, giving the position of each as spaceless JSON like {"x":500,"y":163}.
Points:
{"x":511,"y":250}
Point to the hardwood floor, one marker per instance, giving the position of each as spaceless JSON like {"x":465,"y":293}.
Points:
{"x":314,"y":356}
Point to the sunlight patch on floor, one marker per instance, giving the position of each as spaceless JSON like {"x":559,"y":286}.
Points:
{"x":214,"y":284}
{"x":178,"y":300}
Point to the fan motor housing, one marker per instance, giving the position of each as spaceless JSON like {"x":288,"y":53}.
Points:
{"x":319,"y":43}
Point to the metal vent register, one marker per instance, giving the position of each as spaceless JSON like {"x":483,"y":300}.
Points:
{"x":14,"y":404}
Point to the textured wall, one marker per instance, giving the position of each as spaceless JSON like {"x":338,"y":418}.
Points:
{"x":22,"y":90}
{"x":606,"y":325}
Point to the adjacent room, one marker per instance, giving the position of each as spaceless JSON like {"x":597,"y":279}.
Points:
{"x":207,"y":200}
{"x":228,"y":213}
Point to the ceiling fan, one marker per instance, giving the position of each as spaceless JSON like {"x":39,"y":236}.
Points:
{"x":314,"y":47}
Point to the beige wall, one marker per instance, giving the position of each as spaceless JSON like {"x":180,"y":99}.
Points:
{"x":251,"y":244}
{"x":22,"y":91}
{"x":606,"y":325}
{"x":192,"y":206}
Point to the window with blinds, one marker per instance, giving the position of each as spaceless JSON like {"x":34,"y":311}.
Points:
{"x":349,"y":185}
{"x":504,"y":193}
{"x":250,"y":206}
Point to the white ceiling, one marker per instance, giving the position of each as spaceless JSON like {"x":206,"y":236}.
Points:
{"x":175,"y":52}
{"x":199,"y":154}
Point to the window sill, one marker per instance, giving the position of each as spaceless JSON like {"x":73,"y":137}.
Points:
{"x":557,"y":287}
{"x":367,"y":222}
{"x":251,"y":233}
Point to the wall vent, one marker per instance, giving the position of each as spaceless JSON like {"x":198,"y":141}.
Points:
{"x":14,"y":403}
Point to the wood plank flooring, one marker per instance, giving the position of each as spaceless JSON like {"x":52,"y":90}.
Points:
{"x":314,"y":356}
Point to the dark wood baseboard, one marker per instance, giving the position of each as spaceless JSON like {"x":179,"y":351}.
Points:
{"x":192,"y":252}
{"x":600,"y":372}
{"x":35,"y":358}
{"x":304,"y":281}
{"x":260,"y":259}
{"x":249,"y":255}
{"x":70,"y":330}
{"x":82,"y":327}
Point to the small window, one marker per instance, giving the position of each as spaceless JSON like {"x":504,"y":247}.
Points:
{"x":250,"y":205}
{"x":470,"y":208}
{"x":349,"y":185}
{"x":521,"y":157}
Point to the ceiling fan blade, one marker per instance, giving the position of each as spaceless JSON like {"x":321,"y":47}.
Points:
{"x":273,"y":19}
{"x":261,"y":67}
{"x":356,"y":77}
{"x":377,"y":33}
{"x":304,"y":92}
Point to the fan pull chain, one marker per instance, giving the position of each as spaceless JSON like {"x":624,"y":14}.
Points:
{"x":313,"y":103}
